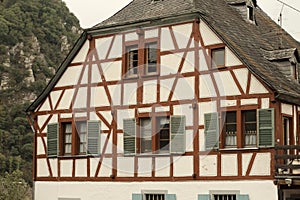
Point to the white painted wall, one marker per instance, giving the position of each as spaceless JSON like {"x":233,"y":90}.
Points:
{"x":257,"y":190}
{"x":209,"y":37}
{"x":286,"y":109}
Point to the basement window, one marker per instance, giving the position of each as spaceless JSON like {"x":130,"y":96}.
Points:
{"x":294,"y":70}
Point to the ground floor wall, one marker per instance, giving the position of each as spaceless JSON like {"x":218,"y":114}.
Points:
{"x":190,"y":190}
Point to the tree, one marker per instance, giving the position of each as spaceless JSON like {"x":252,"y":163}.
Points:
{"x":13,"y":186}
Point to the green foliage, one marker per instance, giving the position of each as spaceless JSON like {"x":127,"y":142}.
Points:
{"x":31,"y":33}
{"x":13,"y":186}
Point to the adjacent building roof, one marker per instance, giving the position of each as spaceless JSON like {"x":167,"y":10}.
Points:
{"x":280,"y":54}
{"x":248,"y":41}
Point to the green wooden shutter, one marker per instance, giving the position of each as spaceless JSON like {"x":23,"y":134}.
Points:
{"x":170,"y":197}
{"x":129,"y":136}
{"x":265,"y":127}
{"x":137,"y":197}
{"x":52,"y":140}
{"x":177,"y":134}
{"x":242,"y":197}
{"x":211,"y":130}
{"x":93,"y":136}
{"x":203,"y":197}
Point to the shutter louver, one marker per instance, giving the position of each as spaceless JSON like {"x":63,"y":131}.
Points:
{"x":265,"y":127}
{"x":129,"y":136}
{"x":242,"y":197}
{"x":170,"y":197}
{"x":177,"y":136}
{"x":52,"y":140}
{"x":203,"y":197}
{"x":211,"y":131}
{"x":137,"y":197}
{"x":93,"y":143}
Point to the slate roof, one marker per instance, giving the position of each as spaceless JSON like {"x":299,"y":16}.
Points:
{"x":247,"y":40}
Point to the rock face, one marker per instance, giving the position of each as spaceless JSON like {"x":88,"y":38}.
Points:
{"x":35,"y":36}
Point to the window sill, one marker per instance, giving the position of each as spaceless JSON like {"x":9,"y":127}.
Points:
{"x":218,"y":68}
{"x":150,"y":75}
{"x":154,"y":155}
{"x":73,"y":156}
{"x":130,"y":77}
{"x":239,"y":149}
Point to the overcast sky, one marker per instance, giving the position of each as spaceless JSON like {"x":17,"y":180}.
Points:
{"x":91,"y":12}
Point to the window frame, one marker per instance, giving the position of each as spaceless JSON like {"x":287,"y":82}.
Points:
{"x":244,"y":129}
{"x":214,"y":126}
{"x":56,"y":139}
{"x":127,"y":61}
{"x":224,"y":132}
{"x":155,"y":133}
{"x":75,"y":138}
{"x":213,"y":64}
{"x":142,"y":65}
{"x":63,"y":138}
{"x":132,"y":135}
{"x":146,"y":58}
{"x":250,"y":13}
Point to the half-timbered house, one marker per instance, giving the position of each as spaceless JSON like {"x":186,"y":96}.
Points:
{"x":172,"y":99}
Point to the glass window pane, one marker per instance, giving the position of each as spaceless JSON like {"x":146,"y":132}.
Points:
{"x":230,"y":129}
{"x":68,"y":128}
{"x":164,"y":133}
{"x":68,"y":148}
{"x":151,"y":58}
{"x":218,"y":57}
{"x":249,"y":127}
{"x":146,"y":135}
{"x":132,"y":60}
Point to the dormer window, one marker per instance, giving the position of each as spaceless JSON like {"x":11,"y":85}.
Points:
{"x":294,"y":71}
{"x":250,"y":12}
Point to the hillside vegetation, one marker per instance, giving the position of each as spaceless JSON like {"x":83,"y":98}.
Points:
{"x":35,"y":37}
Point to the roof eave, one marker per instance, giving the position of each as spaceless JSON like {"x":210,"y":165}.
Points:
{"x":123,"y":26}
{"x":288,"y":98}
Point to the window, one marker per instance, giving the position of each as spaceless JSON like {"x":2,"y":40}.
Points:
{"x":158,"y":134}
{"x":131,"y":61}
{"x":77,"y":140}
{"x":230,"y":129}
{"x":250,"y":11}
{"x":151,"y":58}
{"x":255,"y":130}
{"x":224,"y":196}
{"x":249,"y":127}
{"x":81,"y":128}
{"x":294,"y":70}
{"x":68,"y":139}
{"x":218,"y":58}
{"x":154,"y":197}
{"x":141,"y":59}
{"x":162,"y":134}
{"x":146,"y":135}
